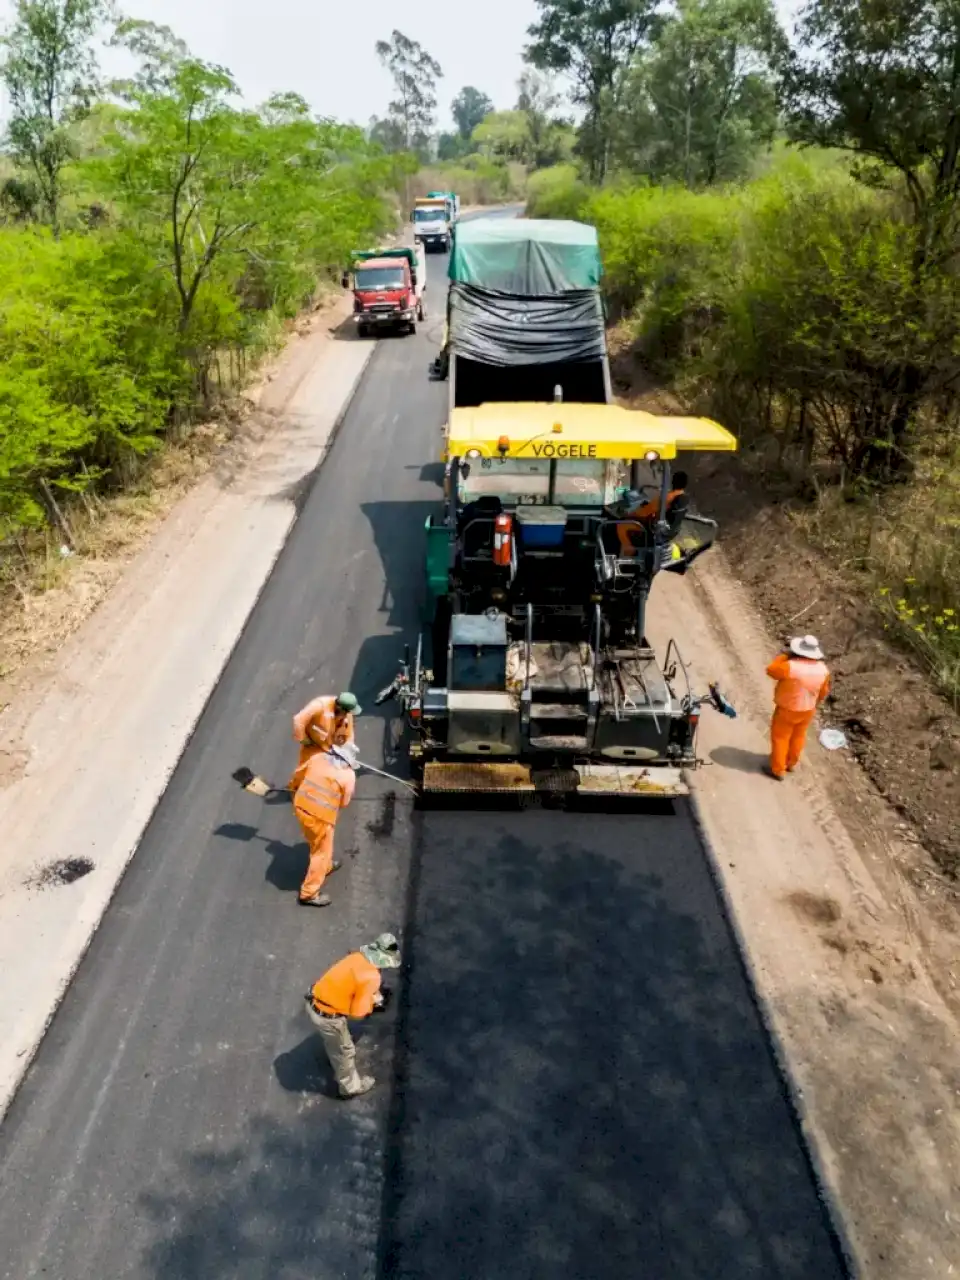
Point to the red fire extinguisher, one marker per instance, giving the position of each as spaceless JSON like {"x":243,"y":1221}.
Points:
{"x":502,"y":539}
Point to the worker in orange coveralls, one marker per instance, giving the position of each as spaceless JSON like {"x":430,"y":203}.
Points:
{"x":322,"y":724}
{"x":327,"y":787}
{"x":803,"y":682}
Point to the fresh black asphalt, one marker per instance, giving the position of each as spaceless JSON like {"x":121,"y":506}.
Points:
{"x":573,"y":1082}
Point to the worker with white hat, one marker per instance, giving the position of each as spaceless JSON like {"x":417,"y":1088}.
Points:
{"x":802,"y":683}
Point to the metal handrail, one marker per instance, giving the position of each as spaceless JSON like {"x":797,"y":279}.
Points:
{"x":529,"y":644}
{"x":597,"y":623}
{"x":469,"y":525}
{"x":674,"y":648}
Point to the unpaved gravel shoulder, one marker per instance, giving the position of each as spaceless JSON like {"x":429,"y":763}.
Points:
{"x":854,"y":970}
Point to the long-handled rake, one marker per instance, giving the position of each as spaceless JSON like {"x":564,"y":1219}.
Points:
{"x":257,"y":786}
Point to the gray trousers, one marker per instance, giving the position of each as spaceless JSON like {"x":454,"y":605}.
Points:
{"x":340,"y":1050}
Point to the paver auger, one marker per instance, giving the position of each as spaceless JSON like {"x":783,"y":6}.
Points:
{"x":540,"y":675}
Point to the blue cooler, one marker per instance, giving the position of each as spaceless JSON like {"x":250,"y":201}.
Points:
{"x":541,"y":528}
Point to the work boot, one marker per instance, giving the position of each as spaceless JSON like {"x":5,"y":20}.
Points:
{"x":777,"y":777}
{"x":318,"y":900}
{"x":366,"y":1084}
{"x":334,"y":866}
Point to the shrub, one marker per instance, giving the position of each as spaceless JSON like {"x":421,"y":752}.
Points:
{"x":557,"y":193}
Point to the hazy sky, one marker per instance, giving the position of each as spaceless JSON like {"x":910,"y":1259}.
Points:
{"x":324,"y":49}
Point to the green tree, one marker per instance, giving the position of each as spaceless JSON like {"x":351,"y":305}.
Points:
{"x":594,"y":42}
{"x":415,"y":74}
{"x":212,"y":181}
{"x":387,"y":133}
{"x":881,"y":78}
{"x":551,"y":137}
{"x":505,"y":135}
{"x":49,"y":72}
{"x":469,"y":107}
{"x":700,"y":102}
{"x":450,"y":146}
{"x":158,"y":50}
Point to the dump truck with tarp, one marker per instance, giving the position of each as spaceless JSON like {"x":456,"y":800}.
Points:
{"x":388,"y":289}
{"x":432,"y":224}
{"x":525,"y":315}
{"x":453,"y":203}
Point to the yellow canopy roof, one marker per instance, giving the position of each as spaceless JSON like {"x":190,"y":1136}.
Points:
{"x":579,"y":431}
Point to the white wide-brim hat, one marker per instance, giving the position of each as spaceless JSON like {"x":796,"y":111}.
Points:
{"x":806,"y":647}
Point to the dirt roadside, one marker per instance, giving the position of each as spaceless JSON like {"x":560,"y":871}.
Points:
{"x":845,"y":915}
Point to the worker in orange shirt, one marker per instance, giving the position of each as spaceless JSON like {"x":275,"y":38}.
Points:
{"x":323,"y":723}
{"x":326,"y":787}
{"x":647,"y":513}
{"x":803,"y":682}
{"x":351,"y":989}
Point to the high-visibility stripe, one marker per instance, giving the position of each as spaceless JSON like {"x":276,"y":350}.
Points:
{"x":320,"y":796}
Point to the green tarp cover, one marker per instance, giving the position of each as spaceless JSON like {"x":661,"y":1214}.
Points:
{"x":366,"y":255}
{"x":531,"y":258}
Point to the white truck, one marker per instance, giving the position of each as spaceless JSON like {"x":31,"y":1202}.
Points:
{"x":432,"y":223}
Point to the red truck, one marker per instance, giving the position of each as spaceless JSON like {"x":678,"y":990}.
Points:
{"x":388,"y":289}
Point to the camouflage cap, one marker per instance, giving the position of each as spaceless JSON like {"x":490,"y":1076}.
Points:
{"x":384,"y":952}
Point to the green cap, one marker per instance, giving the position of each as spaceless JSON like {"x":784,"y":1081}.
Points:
{"x":384,"y":952}
{"x":348,"y":702}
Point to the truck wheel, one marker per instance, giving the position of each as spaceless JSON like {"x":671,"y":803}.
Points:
{"x":421,"y":313}
{"x":413,"y":326}
{"x":363,"y":331}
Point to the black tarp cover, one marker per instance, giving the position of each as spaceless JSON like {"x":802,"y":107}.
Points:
{"x":502,"y":329}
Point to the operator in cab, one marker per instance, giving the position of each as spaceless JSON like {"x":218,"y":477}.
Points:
{"x":323,"y":723}
{"x":646,"y":513}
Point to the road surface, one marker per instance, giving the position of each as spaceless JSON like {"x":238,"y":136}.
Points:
{"x":574,"y":1082}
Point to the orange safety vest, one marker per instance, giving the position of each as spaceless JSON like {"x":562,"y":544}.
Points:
{"x":321,"y":793}
{"x":347,"y":989}
{"x":803,"y":684}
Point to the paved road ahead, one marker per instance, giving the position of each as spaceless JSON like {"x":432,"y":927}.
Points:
{"x":582,"y":1088}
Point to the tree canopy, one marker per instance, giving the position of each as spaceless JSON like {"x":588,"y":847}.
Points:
{"x":594,"y":42}
{"x":469,"y":107}
{"x":415,"y":74}
{"x":49,"y":71}
{"x":700,"y":101}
